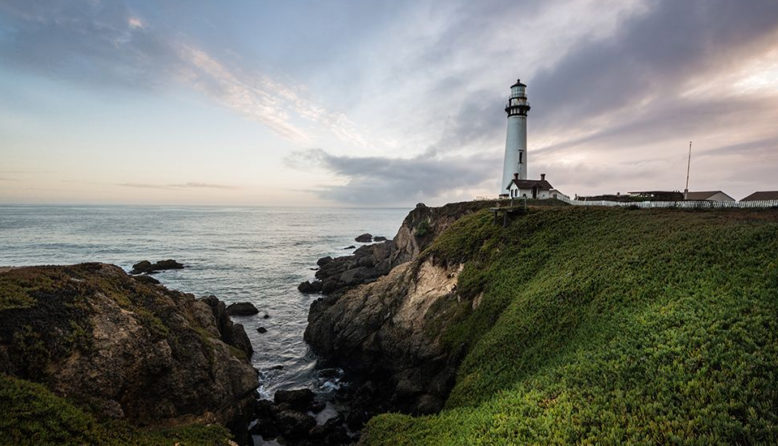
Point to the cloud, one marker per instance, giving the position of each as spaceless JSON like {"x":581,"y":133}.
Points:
{"x":190,"y":185}
{"x":383,"y":180}
{"x":105,"y":43}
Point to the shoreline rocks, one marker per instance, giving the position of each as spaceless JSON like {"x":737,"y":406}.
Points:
{"x":242,"y":309}
{"x":290,"y":419}
{"x":146,"y":267}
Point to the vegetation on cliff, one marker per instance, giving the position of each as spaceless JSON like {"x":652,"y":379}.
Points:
{"x":90,"y":355}
{"x":33,"y":415}
{"x":586,"y":325}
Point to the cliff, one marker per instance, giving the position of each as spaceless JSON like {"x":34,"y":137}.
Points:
{"x":107,"y":346}
{"x":369,"y":262}
{"x":378,"y":332}
{"x":568,"y":326}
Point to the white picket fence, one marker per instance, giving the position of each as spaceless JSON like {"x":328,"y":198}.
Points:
{"x":676,"y":204}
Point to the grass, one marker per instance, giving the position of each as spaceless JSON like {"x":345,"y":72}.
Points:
{"x":605,"y":326}
{"x":32,"y":415}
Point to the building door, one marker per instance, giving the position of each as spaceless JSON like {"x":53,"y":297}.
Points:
{"x":534,"y":192}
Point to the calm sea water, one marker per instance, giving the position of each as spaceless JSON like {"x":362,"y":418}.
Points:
{"x":254,"y":254}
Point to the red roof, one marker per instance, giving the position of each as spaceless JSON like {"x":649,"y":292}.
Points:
{"x":763,"y":195}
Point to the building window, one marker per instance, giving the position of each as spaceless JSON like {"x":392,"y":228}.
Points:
{"x":521,"y":157}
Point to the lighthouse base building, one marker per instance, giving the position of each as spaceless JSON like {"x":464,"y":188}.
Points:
{"x":514,"y":182}
{"x":532,"y":189}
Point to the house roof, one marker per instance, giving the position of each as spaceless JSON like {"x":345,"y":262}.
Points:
{"x":762,"y":195}
{"x":529,"y":184}
{"x":704,"y":195}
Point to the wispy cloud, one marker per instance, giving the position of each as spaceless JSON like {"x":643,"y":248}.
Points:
{"x":191,"y":185}
{"x":102,"y":43}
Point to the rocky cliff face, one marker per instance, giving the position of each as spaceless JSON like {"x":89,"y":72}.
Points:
{"x":369,"y":262}
{"x":386,"y":332}
{"x":124,"y":347}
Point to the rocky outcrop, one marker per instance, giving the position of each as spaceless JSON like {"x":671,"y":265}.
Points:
{"x":126,"y":348}
{"x":290,"y":419}
{"x":242,"y":309}
{"x":383,"y":318}
{"x":382,"y":334}
{"x":369,"y":262}
{"x":364,"y":238}
{"x":146,"y":267}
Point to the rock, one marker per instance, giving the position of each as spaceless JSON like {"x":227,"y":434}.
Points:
{"x":232,"y":334}
{"x":294,"y":424}
{"x":428,"y":404}
{"x":350,"y":247}
{"x":266,"y":428}
{"x":264,"y":315}
{"x":146,"y":267}
{"x":262,"y":329}
{"x":148,"y":280}
{"x":298,"y":399}
{"x":323,"y":261}
{"x":240,"y":340}
{"x":330,"y":286}
{"x":379,"y":238}
{"x":330,"y":373}
{"x":364,"y":238}
{"x":141,"y":267}
{"x":317,"y":406}
{"x":122,"y":348}
{"x":242,"y":309}
{"x":332,"y":432}
{"x":310,"y":287}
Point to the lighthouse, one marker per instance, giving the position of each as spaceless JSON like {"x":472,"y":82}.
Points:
{"x":515,"y":162}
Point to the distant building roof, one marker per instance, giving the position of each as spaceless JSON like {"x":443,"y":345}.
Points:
{"x":518,"y":84}
{"x":706,"y":195}
{"x":762,"y":195}
{"x":659,"y":195}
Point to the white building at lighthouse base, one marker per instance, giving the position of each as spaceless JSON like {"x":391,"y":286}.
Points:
{"x":532,"y":189}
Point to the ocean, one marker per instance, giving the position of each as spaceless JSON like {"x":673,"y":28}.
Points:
{"x":239,"y":254}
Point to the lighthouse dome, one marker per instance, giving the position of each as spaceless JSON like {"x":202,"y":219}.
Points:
{"x":518,"y":89}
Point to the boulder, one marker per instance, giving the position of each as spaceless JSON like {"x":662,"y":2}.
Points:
{"x":261,"y":330}
{"x":350,"y":247}
{"x":294,"y":424}
{"x":242,"y":309}
{"x":298,"y":399}
{"x":379,"y":238}
{"x":146,"y":267}
{"x":364,"y":238}
{"x":323,"y":261}
{"x":240,"y":340}
{"x":308,"y":287}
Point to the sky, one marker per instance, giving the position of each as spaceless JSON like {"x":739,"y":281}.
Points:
{"x":380,"y":103}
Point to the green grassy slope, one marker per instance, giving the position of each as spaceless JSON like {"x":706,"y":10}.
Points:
{"x":31,"y":415}
{"x":606,"y":326}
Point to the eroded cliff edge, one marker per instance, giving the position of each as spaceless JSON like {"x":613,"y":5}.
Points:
{"x":125,"y":348}
{"x":383,"y":316}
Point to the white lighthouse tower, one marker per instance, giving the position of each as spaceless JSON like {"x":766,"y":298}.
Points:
{"x":516,"y":140}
